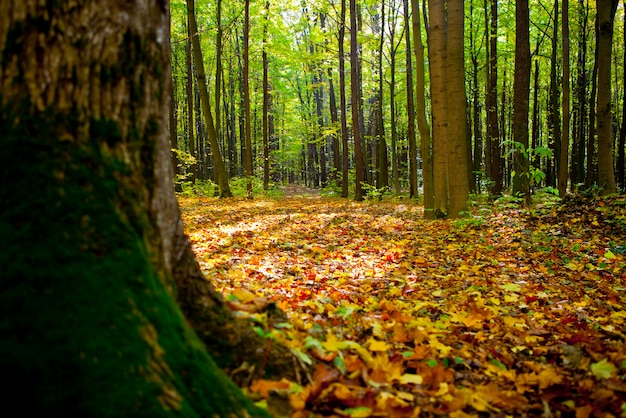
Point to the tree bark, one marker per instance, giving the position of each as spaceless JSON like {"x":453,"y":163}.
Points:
{"x":246,"y":97}
{"x":606,"y":174}
{"x":218,"y":163}
{"x":426,"y":141}
{"x":438,"y":81}
{"x":89,"y":324}
{"x":493,"y":133}
{"x":458,"y":180}
{"x":343,"y":103}
{"x":521,"y":92}
{"x":355,"y":98}
{"x":190,"y":102}
{"x":266,"y":103}
{"x":564,"y":156}
{"x":410,"y":107}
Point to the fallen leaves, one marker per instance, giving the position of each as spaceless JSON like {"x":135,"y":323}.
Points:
{"x":404,"y":317}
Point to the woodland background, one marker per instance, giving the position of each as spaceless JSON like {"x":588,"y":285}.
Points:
{"x":281,"y":87}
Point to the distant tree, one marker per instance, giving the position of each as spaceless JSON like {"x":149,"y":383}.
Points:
{"x":521,"y":91}
{"x":410,"y":106}
{"x":219,"y":168}
{"x":606,"y":18}
{"x":355,"y":99}
{"x":420,"y":108}
{"x":494,"y":164}
{"x":564,"y":152}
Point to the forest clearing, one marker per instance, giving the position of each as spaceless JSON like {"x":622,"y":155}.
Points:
{"x":501,"y":314}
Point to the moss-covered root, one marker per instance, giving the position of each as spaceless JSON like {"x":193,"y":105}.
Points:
{"x":87,"y":327}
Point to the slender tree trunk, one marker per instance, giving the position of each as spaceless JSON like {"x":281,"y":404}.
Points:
{"x":564,"y":157}
{"x":458,"y":160}
{"x":592,"y":156}
{"x":355,"y":96}
{"x":554,"y":120}
{"x":521,"y":91}
{"x":174,"y":132}
{"x":246,"y":95}
{"x":218,"y":70}
{"x":218,"y":163}
{"x":422,"y":121}
{"x":581,"y":127}
{"x":621,"y":152}
{"x":392,"y":100}
{"x":606,"y":17}
{"x":493,"y":139}
{"x":266,"y":104}
{"x":438,"y":86}
{"x":334,"y":119}
{"x":343,"y":104}
{"x":535,"y":162}
{"x":410,"y":107}
{"x":382,"y":162}
{"x":190,"y":102}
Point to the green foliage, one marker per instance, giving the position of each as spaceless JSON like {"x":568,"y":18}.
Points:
{"x":374,"y":193}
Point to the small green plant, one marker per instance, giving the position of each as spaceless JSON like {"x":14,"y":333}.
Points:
{"x":372,"y":192}
{"x":535,"y":175}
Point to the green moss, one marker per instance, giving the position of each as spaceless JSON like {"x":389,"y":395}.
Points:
{"x":87,"y":327}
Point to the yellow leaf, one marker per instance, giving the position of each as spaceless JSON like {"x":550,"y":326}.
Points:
{"x":331,"y":343}
{"x":375,"y":345}
{"x":410,"y":378}
{"x":548,"y":377}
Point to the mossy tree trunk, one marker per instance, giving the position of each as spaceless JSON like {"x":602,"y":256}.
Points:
{"x":93,"y":248}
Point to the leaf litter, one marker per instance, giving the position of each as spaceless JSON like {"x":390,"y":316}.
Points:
{"x":502,"y":314}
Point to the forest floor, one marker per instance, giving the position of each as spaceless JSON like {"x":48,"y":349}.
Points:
{"x":500,"y":314}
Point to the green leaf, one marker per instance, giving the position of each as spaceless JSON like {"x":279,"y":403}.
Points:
{"x":603,"y":369}
{"x":310,"y":342}
{"x":358,"y":412}
{"x":340,"y":364}
{"x":302,"y":356}
{"x":498,"y":364}
{"x":511,"y":287}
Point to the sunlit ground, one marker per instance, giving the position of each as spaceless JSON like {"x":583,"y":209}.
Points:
{"x":406,"y":316}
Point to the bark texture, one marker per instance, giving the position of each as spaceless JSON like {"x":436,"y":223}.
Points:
{"x":92,"y":238}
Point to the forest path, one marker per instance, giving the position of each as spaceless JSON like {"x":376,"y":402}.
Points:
{"x":293,"y":190}
{"x":499,"y":314}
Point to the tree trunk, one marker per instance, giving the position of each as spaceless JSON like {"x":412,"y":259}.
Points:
{"x":577,"y":175}
{"x":554,"y":120}
{"x":392,"y":100}
{"x":493,"y":133}
{"x":621,"y":152}
{"x":266,"y":104}
{"x":190,"y":102}
{"x":334,"y":118}
{"x":438,"y":82}
{"x":606,"y":174}
{"x":458,"y":180}
{"x":218,"y":163}
{"x":564,"y":158}
{"x":89,"y":323}
{"x":382,"y":161}
{"x":355,"y":96}
{"x":343,"y":103}
{"x":246,"y":96}
{"x":218,"y":70}
{"x":420,"y":107}
{"x":410,"y":107}
{"x":521,"y":92}
{"x":592,"y":156}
